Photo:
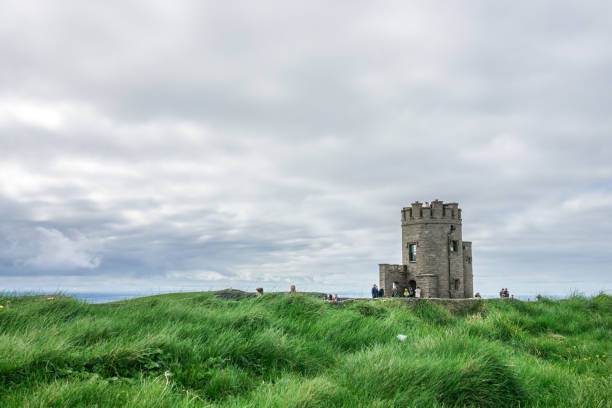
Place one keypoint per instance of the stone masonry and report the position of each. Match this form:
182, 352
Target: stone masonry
434, 256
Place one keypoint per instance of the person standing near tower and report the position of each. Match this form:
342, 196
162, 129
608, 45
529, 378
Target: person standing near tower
374, 291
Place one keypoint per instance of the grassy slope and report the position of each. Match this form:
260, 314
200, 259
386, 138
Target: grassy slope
297, 351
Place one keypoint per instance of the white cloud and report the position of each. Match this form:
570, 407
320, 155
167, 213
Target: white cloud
47, 116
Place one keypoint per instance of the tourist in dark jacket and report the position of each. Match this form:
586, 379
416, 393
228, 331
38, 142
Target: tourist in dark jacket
374, 291
381, 292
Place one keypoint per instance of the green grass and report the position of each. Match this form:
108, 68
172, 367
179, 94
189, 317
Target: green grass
199, 349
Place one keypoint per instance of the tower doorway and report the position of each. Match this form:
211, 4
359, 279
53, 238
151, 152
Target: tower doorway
412, 284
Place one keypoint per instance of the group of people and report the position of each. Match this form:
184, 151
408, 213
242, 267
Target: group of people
408, 292
292, 291
260, 291
376, 293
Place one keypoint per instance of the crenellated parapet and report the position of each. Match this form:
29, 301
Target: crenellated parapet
436, 210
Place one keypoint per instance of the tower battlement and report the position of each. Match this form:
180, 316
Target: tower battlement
437, 209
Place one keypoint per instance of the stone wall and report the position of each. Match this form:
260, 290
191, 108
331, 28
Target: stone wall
468, 276
429, 285
389, 274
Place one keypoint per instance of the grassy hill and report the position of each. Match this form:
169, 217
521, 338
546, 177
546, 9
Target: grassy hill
232, 350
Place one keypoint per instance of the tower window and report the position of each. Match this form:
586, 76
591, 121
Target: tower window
412, 252
454, 245
457, 284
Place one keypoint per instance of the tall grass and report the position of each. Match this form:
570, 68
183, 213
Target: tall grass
297, 351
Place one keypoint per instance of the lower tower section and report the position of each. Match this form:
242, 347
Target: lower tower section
429, 285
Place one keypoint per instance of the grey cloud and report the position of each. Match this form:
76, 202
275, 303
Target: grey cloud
258, 143
49, 249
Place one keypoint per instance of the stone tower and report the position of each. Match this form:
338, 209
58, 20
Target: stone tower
434, 256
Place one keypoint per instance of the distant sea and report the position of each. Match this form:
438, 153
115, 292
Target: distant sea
105, 297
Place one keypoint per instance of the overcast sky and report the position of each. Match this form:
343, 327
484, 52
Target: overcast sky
199, 145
